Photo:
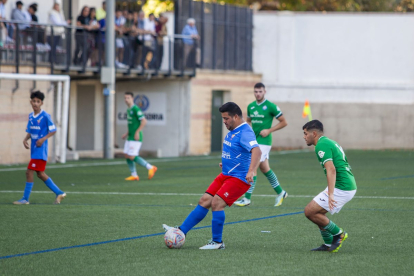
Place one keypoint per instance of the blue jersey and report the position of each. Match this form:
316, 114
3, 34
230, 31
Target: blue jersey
38, 127
236, 154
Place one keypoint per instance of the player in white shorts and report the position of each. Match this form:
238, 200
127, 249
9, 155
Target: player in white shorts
341, 186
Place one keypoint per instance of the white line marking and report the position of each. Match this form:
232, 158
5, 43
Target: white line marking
159, 160
185, 194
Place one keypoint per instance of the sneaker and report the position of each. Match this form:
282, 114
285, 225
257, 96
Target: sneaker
151, 172
242, 202
280, 198
323, 247
59, 198
131, 178
21, 202
213, 245
337, 241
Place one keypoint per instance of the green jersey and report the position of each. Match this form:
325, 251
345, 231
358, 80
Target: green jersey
262, 115
134, 115
329, 150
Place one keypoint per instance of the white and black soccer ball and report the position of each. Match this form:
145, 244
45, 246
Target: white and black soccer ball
174, 238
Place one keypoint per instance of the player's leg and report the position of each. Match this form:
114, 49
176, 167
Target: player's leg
60, 195
246, 200
27, 190
272, 178
204, 204
129, 157
231, 190
141, 161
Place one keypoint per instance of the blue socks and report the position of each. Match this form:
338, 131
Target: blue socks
49, 183
197, 215
27, 190
217, 225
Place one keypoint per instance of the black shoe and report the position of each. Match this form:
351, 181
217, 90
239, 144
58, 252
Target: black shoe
323, 247
337, 241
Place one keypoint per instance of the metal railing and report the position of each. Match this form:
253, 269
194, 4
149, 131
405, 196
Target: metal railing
69, 48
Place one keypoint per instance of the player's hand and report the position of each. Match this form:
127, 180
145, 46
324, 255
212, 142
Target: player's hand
40, 142
136, 136
332, 202
124, 136
221, 165
249, 176
25, 144
264, 133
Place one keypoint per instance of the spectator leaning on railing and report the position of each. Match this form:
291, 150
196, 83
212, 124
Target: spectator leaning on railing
189, 43
119, 43
18, 15
161, 30
81, 49
3, 27
56, 17
93, 34
148, 61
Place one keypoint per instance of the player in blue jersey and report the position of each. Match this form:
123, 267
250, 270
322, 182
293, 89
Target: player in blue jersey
239, 161
40, 127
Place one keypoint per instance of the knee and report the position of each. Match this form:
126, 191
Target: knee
308, 212
205, 202
41, 175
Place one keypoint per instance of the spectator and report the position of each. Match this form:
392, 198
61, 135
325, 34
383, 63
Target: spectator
18, 15
3, 27
148, 58
138, 45
119, 43
129, 39
94, 28
189, 43
56, 17
100, 40
136, 17
40, 38
101, 13
161, 30
81, 49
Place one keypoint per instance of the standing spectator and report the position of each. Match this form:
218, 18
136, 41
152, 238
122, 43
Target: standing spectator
138, 45
129, 39
161, 30
81, 49
94, 29
119, 43
101, 13
40, 38
56, 17
18, 15
189, 43
3, 27
100, 40
149, 42
136, 17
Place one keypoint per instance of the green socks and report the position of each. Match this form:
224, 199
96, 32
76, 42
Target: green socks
142, 162
327, 237
332, 228
271, 176
248, 194
131, 167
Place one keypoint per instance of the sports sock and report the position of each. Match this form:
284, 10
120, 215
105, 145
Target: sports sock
49, 183
197, 215
248, 194
131, 167
332, 228
327, 237
142, 162
271, 176
217, 225
27, 190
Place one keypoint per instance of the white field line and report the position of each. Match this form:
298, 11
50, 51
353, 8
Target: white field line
184, 194
161, 160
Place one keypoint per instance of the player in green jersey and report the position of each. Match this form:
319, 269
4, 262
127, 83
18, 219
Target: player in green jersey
260, 114
136, 122
341, 186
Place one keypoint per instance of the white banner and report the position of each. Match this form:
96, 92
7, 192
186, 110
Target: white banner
153, 105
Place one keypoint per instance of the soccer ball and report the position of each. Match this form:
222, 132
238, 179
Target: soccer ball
174, 238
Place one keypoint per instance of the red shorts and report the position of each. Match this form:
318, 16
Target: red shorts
228, 188
38, 165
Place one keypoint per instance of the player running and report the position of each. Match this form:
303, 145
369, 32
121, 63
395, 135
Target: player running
260, 114
136, 122
40, 127
240, 159
341, 186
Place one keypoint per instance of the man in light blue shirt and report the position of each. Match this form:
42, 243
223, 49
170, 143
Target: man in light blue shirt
190, 30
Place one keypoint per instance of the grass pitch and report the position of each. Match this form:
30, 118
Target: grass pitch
108, 226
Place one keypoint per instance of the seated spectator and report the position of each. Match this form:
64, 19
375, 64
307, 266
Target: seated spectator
81, 48
148, 59
161, 30
189, 44
119, 43
54, 34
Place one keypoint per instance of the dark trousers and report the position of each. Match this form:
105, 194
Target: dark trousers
53, 42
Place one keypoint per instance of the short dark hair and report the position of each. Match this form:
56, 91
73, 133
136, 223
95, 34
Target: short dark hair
19, 3
231, 108
37, 94
259, 85
130, 93
151, 14
314, 124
